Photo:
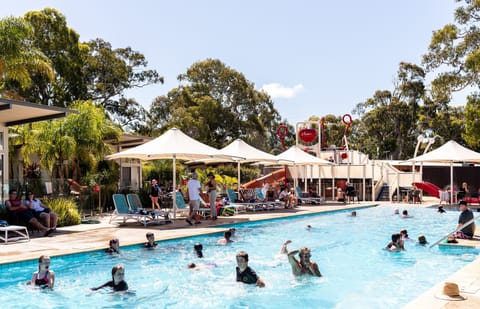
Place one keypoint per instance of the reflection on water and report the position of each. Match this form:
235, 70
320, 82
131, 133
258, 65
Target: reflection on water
348, 250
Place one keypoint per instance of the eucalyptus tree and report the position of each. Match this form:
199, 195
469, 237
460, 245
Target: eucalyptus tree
91, 70
19, 58
389, 120
216, 104
454, 57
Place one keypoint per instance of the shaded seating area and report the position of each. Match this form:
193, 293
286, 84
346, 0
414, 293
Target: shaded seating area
270, 204
235, 203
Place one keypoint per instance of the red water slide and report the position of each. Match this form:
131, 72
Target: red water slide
428, 187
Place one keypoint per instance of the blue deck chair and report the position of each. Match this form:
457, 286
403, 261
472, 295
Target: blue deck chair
270, 204
245, 205
123, 211
308, 200
136, 207
251, 199
232, 201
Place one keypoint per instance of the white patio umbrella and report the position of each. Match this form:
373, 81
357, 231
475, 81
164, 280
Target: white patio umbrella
297, 157
173, 144
449, 152
240, 152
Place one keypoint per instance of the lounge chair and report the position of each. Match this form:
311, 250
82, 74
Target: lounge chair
250, 200
205, 212
306, 199
123, 211
269, 204
233, 202
136, 207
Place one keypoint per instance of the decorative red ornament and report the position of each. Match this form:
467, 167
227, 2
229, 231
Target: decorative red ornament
344, 155
307, 135
96, 188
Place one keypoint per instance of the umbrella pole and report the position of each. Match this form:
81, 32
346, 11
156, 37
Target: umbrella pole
174, 196
238, 176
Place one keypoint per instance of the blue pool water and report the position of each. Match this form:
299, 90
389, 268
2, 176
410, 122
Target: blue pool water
357, 272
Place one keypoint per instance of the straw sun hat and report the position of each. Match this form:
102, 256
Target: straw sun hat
450, 292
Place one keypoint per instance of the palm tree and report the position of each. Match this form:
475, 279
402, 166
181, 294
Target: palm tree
19, 58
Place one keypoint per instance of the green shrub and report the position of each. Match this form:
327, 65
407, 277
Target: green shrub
66, 210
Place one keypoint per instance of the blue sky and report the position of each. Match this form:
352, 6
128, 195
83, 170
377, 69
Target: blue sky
312, 57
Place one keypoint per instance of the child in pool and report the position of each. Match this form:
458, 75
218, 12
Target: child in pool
244, 273
114, 246
151, 241
44, 277
117, 283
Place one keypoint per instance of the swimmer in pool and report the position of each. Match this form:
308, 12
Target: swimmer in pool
226, 238
151, 241
198, 248
244, 273
113, 246
44, 277
117, 283
303, 266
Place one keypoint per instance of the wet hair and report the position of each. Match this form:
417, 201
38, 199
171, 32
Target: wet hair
243, 255
422, 240
41, 258
227, 234
116, 268
304, 250
113, 241
462, 202
198, 249
404, 232
405, 212
396, 237
149, 234
191, 265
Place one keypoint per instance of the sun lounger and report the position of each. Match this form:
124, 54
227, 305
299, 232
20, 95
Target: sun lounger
21, 233
136, 207
270, 204
248, 200
205, 212
233, 202
308, 200
122, 211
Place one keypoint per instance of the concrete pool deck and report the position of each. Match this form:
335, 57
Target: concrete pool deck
89, 237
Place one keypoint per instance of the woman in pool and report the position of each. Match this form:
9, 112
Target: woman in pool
226, 238
198, 248
304, 266
44, 277
117, 283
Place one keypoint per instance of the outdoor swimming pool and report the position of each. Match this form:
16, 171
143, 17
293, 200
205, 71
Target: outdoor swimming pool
357, 273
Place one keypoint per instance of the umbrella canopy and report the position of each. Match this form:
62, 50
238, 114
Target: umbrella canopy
240, 152
449, 152
173, 144
296, 156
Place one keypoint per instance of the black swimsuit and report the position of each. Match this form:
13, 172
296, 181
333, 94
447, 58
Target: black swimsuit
42, 282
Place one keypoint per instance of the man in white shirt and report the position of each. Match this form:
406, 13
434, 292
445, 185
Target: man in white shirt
194, 189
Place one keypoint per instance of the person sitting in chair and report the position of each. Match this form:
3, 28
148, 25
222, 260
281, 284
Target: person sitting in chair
41, 211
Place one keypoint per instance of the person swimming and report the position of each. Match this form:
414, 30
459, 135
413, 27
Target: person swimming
198, 249
303, 266
118, 283
151, 241
44, 277
113, 246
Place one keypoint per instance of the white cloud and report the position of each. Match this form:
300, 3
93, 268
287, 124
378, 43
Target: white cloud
281, 92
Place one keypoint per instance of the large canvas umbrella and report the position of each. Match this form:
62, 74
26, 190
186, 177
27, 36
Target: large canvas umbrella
297, 157
449, 152
173, 144
240, 152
